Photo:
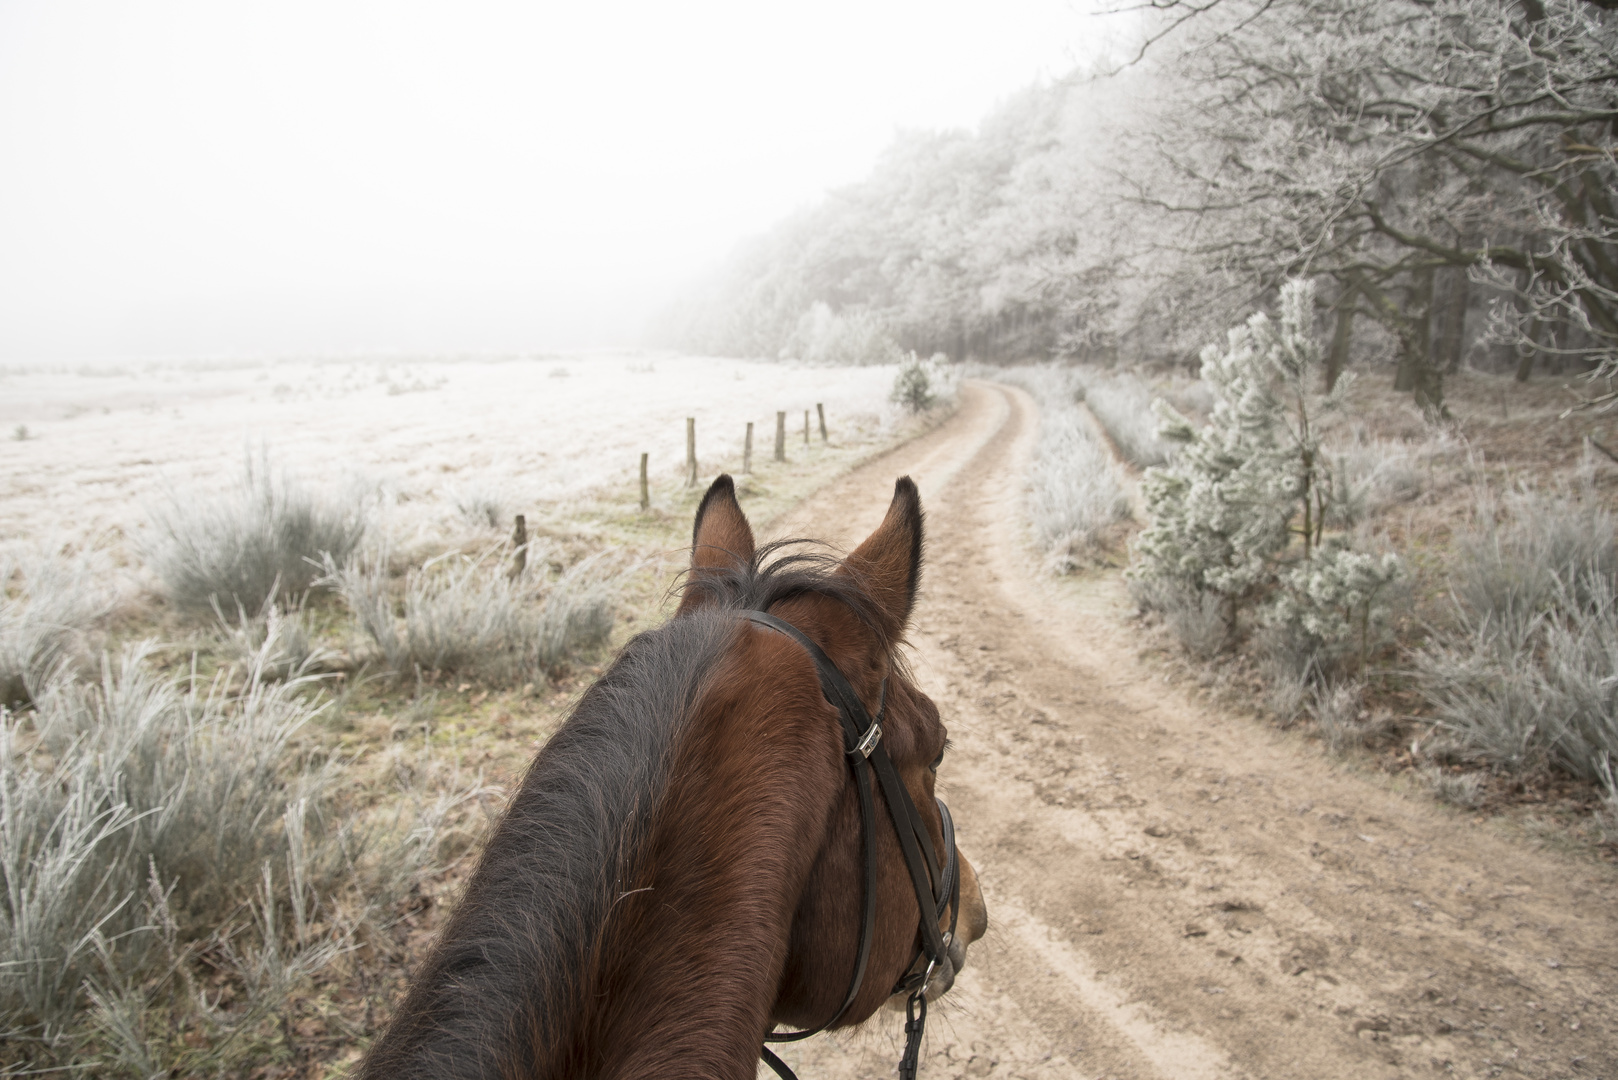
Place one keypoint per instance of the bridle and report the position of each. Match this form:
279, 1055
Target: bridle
936, 888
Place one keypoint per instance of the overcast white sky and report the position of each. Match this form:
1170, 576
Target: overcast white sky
241, 178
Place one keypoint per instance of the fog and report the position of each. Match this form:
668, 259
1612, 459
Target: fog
189, 179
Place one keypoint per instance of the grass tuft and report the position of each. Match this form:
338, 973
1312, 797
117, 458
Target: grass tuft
1528, 675
1075, 496
47, 604
266, 537
468, 616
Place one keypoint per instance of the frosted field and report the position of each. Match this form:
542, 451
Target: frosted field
102, 445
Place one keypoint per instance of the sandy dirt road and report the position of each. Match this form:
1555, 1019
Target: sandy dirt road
1178, 893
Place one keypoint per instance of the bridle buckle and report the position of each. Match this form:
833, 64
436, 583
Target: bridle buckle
868, 741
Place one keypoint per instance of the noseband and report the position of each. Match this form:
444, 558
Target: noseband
936, 889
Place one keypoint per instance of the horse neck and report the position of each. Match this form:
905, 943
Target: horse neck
693, 952
656, 946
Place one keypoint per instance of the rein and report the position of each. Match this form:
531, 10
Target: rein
936, 888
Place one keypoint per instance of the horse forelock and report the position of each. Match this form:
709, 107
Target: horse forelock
789, 569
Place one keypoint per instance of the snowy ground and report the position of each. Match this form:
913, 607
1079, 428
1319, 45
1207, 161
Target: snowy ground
83, 454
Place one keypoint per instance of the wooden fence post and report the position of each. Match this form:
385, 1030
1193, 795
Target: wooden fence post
821, 409
806, 428
780, 436
747, 449
690, 451
645, 492
519, 544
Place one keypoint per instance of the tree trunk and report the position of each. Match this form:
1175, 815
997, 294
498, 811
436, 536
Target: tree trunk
1415, 339
1529, 353
1451, 329
1337, 358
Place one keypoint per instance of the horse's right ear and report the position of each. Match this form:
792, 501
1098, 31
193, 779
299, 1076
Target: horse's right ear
888, 564
721, 539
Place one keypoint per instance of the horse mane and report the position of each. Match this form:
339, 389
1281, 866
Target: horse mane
511, 973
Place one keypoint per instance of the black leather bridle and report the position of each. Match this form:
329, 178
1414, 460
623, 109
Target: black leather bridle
937, 888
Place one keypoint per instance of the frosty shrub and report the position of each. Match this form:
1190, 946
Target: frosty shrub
1330, 603
147, 817
1369, 475
1529, 675
1526, 546
1074, 495
912, 386
266, 536
845, 338
1197, 619
47, 602
466, 615
1223, 514
244, 636
1336, 709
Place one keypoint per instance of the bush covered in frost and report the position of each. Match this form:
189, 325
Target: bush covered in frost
47, 603
1224, 514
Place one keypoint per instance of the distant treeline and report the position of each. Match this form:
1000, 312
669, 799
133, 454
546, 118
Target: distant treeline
1444, 170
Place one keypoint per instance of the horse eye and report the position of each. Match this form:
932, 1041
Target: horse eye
937, 761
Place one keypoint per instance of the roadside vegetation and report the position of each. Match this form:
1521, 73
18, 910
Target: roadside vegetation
1438, 598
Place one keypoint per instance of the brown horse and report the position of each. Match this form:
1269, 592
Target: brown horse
682, 869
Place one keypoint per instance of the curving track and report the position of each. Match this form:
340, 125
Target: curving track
1178, 893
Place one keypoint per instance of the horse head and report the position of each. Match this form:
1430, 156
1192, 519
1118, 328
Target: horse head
734, 829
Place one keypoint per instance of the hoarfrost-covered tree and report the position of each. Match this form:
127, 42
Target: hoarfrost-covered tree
1222, 515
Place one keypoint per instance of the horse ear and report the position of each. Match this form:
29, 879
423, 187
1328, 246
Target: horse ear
888, 564
721, 539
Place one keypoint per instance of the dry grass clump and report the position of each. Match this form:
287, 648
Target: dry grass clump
47, 604
1463, 790
266, 537
152, 821
468, 615
1527, 676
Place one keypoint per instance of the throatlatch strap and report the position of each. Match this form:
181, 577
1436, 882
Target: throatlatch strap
777, 1066
935, 888
852, 735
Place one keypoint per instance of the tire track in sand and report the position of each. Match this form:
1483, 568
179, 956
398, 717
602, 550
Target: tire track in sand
1174, 892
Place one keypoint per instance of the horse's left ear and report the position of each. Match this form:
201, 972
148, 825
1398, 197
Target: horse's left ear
888, 564
721, 539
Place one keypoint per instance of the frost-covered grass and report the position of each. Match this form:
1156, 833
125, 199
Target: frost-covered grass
1075, 494
265, 538
151, 820
48, 601
1528, 675
1122, 402
469, 615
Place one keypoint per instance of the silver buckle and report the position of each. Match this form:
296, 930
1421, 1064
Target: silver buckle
868, 741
